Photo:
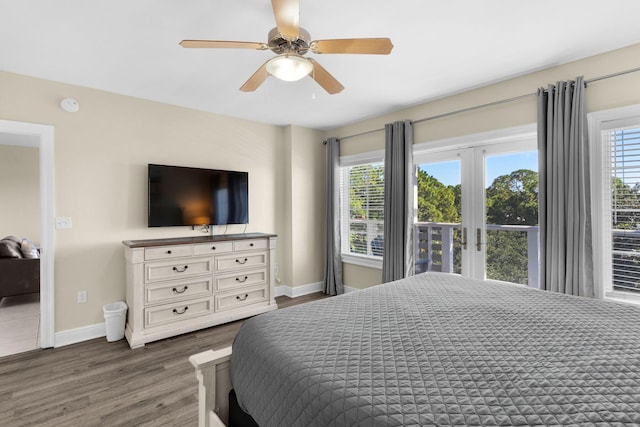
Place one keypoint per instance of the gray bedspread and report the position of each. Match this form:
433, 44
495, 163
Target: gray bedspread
438, 349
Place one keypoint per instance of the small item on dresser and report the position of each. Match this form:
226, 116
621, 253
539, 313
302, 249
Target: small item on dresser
28, 249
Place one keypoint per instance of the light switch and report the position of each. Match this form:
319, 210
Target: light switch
63, 222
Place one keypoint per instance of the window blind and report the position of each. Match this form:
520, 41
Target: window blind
362, 209
623, 173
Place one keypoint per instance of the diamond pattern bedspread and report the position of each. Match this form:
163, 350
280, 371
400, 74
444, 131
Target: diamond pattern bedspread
438, 349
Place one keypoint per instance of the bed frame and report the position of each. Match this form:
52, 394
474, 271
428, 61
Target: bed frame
213, 371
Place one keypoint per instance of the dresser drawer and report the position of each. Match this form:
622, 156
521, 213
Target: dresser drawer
241, 261
213, 248
171, 313
178, 269
235, 281
249, 245
167, 252
178, 290
228, 301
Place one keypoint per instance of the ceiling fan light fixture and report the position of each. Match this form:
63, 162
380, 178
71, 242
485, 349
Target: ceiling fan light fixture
289, 67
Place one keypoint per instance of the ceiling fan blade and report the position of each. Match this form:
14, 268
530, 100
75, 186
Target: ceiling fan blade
256, 79
376, 46
223, 44
287, 13
324, 79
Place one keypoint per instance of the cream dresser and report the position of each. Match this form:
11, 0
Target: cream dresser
180, 285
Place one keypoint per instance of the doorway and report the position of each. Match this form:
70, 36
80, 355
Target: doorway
477, 209
40, 137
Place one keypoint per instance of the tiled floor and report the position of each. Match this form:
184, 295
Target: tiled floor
19, 323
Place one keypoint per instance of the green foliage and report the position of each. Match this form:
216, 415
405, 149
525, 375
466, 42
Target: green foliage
366, 186
366, 203
436, 201
507, 256
628, 198
513, 199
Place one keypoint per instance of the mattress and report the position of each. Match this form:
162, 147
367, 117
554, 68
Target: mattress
439, 349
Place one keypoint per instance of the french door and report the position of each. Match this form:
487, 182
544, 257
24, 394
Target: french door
477, 211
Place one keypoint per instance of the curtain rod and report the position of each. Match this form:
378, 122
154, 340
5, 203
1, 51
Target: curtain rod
490, 104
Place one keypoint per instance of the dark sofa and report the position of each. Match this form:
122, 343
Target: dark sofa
18, 274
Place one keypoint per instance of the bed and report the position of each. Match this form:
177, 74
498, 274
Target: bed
434, 349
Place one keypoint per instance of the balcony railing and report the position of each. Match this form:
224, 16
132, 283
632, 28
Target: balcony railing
626, 260
438, 248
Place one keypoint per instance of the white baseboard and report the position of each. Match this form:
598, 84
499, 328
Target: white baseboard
85, 333
298, 291
72, 336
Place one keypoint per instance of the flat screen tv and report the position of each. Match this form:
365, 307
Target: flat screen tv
193, 196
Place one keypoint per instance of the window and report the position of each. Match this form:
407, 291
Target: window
362, 216
615, 182
622, 171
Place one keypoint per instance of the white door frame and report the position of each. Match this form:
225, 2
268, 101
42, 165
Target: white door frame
41, 136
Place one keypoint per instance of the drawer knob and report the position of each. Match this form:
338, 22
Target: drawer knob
251, 244
169, 252
242, 262
184, 288
177, 270
242, 280
242, 299
175, 310
213, 248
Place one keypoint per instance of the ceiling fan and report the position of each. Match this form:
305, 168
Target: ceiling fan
291, 42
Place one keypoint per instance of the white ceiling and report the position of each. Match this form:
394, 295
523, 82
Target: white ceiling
441, 47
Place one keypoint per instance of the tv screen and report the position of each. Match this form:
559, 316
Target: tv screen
193, 196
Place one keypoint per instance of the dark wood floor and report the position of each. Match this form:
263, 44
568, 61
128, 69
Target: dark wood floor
97, 383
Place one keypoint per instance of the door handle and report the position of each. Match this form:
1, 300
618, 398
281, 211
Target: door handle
464, 238
478, 239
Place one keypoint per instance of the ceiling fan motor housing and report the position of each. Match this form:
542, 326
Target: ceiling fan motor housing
280, 44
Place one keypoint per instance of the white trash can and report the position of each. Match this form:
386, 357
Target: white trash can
115, 317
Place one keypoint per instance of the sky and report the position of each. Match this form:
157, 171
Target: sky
449, 172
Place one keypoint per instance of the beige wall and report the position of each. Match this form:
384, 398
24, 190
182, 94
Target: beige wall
601, 95
302, 240
101, 153
307, 181
20, 192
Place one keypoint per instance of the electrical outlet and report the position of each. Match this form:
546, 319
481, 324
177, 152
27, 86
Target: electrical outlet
82, 297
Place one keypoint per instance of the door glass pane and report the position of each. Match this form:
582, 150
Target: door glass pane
512, 217
438, 246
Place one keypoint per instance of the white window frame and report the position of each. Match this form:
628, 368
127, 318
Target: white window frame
349, 258
601, 195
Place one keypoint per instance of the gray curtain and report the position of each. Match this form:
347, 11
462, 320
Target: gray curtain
398, 201
566, 254
333, 261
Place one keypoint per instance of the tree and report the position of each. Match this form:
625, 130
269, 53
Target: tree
436, 201
625, 205
366, 203
513, 199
